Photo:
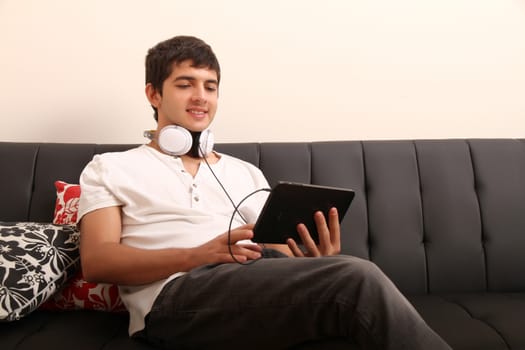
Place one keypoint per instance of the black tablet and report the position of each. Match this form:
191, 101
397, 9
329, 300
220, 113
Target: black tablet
292, 203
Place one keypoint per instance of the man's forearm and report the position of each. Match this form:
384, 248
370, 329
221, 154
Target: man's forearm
124, 265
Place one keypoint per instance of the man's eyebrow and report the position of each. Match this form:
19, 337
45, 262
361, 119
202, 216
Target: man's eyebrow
191, 78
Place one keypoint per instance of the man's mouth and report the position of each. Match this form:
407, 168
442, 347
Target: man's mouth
197, 112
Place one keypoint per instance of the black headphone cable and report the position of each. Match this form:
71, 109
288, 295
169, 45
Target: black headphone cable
235, 209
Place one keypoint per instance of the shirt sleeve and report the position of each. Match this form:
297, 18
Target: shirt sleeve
95, 188
255, 201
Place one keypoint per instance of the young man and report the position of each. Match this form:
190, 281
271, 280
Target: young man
153, 221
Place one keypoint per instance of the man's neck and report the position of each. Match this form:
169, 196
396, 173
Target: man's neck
191, 164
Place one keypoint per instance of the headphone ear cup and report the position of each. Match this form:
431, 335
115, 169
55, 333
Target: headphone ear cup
206, 142
175, 140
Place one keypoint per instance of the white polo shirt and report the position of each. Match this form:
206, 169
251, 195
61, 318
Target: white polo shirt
163, 206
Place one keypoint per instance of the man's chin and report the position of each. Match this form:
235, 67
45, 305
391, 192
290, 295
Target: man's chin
198, 127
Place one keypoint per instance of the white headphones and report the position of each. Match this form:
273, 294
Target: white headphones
177, 141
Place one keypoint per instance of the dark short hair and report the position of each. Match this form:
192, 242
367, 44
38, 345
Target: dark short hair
161, 57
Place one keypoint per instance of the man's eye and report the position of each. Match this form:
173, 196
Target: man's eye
183, 86
211, 88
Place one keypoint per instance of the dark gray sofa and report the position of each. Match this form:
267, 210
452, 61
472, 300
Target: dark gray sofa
444, 219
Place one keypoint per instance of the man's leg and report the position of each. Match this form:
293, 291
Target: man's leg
278, 303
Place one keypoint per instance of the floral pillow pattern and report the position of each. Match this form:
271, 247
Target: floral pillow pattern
36, 259
78, 293
66, 206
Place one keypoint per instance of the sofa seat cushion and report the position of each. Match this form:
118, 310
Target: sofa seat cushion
90, 330
476, 321
83, 329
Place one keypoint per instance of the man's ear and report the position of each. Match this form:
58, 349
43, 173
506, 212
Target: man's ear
154, 96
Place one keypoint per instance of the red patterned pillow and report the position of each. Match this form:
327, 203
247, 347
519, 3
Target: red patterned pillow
78, 293
66, 206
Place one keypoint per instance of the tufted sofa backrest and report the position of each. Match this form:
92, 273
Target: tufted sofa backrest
435, 215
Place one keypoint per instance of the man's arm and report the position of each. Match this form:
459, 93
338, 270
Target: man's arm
105, 259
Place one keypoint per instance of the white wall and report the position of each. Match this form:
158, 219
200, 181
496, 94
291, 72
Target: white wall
295, 70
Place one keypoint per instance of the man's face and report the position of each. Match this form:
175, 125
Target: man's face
189, 97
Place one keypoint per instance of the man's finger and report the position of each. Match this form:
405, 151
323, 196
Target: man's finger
324, 234
308, 242
335, 229
296, 251
238, 235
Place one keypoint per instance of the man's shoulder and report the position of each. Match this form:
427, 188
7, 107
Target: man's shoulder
121, 159
237, 161
132, 153
233, 165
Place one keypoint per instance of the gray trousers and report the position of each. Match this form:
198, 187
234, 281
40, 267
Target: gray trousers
276, 303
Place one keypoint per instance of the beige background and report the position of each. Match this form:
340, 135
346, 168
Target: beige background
296, 70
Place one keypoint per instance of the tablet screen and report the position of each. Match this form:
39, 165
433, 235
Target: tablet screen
292, 203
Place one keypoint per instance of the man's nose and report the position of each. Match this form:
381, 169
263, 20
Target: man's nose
199, 95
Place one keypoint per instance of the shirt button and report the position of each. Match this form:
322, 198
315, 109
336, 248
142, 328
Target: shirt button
196, 199
194, 185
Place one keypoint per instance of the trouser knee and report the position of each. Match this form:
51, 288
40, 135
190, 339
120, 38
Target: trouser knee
357, 273
360, 268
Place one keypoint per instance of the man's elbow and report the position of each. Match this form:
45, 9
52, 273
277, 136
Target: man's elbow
92, 271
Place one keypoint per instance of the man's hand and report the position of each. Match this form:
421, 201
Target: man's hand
329, 237
218, 250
